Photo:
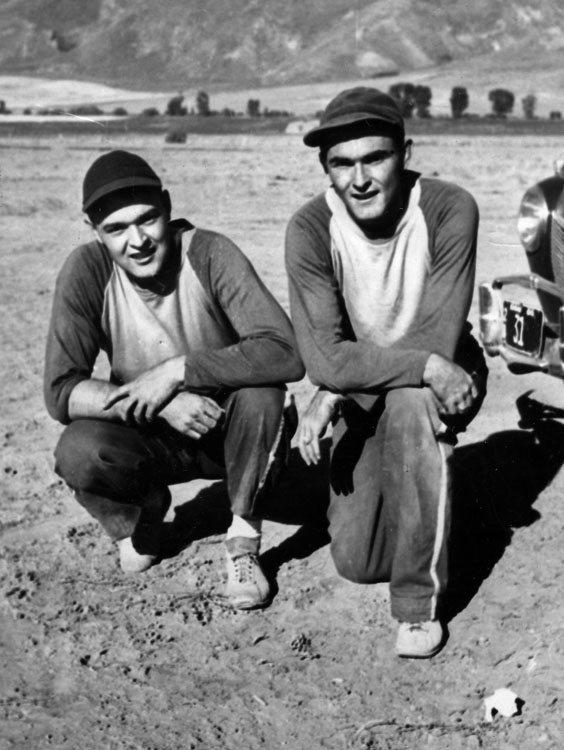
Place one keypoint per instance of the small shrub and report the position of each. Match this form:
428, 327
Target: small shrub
459, 101
529, 104
276, 113
502, 101
422, 96
556, 115
120, 112
175, 135
150, 112
174, 107
203, 104
404, 94
253, 108
86, 109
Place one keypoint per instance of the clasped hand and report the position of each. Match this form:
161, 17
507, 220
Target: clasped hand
454, 388
192, 415
148, 393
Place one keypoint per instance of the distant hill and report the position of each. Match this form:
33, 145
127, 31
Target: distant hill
168, 44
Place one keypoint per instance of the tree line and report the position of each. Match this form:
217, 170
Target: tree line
413, 100
416, 99
177, 108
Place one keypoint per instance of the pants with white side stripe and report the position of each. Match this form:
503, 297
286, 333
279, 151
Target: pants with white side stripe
389, 516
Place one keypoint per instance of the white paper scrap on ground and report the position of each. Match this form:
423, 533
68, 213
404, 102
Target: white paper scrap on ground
504, 702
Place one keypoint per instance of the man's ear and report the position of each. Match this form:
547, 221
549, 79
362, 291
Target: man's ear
92, 226
407, 151
167, 203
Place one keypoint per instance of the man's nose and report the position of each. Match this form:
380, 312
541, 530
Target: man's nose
360, 177
135, 236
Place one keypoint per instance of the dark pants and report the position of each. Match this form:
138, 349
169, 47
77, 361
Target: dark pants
121, 474
390, 509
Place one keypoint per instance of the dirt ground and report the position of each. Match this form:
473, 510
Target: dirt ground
93, 659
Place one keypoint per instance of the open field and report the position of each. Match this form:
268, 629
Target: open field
95, 660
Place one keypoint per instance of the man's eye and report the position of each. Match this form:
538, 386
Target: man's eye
379, 157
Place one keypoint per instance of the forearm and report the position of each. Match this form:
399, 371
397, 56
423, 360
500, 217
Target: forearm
253, 362
352, 366
88, 398
332, 356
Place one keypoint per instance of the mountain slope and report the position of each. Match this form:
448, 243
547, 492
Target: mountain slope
143, 44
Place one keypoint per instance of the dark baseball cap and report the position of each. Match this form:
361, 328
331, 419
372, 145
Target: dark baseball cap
359, 105
115, 171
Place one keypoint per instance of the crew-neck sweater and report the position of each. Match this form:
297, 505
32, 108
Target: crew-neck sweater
368, 312
217, 313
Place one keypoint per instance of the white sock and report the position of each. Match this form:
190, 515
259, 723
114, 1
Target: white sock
244, 527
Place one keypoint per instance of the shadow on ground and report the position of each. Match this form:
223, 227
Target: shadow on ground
496, 483
300, 499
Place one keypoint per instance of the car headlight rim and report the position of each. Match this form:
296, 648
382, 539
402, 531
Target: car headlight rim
532, 219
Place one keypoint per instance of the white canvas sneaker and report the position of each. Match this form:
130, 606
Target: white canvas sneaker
419, 640
130, 560
247, 587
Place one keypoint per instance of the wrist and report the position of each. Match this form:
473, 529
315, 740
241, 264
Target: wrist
431, 368
330, 397
176, 368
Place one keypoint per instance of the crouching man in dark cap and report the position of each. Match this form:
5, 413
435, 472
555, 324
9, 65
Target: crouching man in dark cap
199, 353
381, 271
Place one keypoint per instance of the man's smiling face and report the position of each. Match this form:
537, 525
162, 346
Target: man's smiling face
137, 236
366, 174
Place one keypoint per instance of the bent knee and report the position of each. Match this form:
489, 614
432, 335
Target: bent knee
93, 453
412, 408
408, 400
260, 402
77, 453
349, 564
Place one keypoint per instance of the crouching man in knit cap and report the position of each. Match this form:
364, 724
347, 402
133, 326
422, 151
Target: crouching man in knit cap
199, 353
381, 272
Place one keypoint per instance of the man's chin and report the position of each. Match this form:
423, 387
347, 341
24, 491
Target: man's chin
141, 272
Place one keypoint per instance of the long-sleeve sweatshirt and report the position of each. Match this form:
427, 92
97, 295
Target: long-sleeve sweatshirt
368, 313
217, 314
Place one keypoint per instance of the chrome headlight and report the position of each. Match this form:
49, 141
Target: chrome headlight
533, 214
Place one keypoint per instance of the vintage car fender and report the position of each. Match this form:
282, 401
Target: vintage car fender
526, 338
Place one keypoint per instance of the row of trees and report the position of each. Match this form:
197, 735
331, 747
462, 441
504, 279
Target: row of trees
412, 99
176, 108
415, 99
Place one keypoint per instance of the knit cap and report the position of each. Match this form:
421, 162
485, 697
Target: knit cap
114, 171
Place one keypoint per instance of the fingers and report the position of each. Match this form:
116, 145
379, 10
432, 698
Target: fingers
192, 433
308, 444
118, 395
211, 409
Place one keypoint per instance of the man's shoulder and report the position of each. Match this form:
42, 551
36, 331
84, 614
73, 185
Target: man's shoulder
308, 231
89, 260
437, 192
214, 257
210, 248
314, 212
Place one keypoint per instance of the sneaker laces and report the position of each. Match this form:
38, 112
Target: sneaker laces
244, 566
415, 626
